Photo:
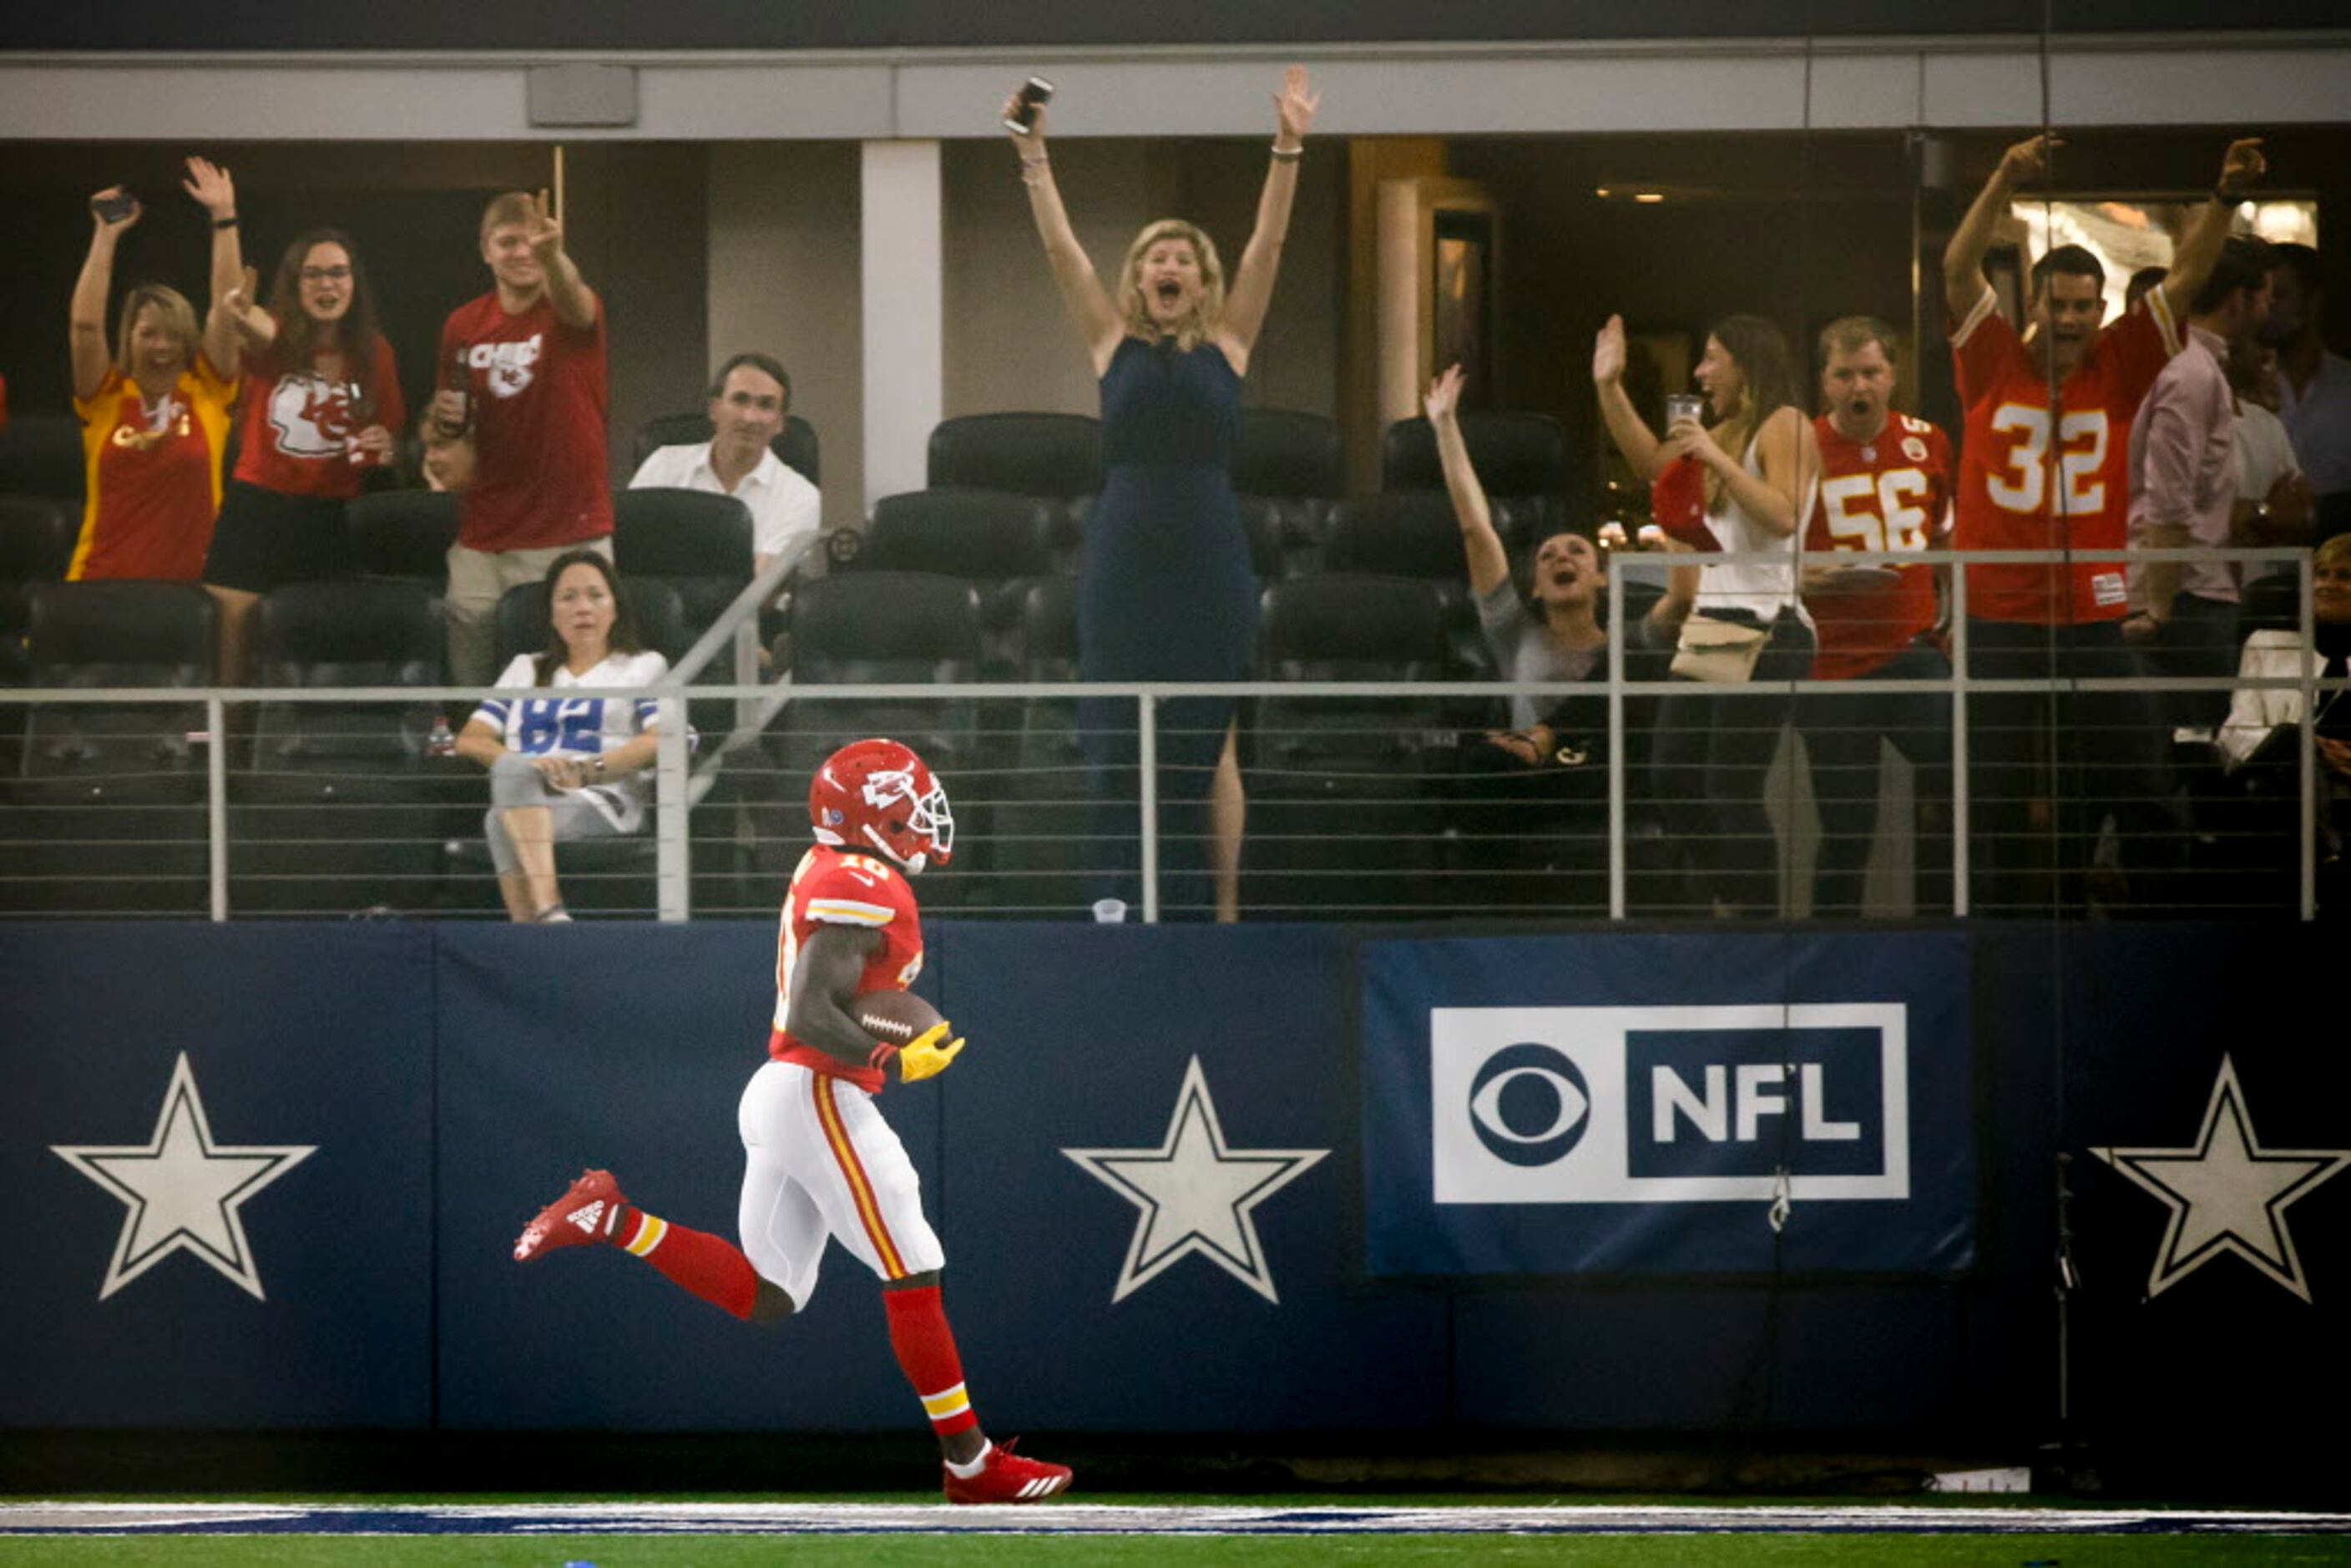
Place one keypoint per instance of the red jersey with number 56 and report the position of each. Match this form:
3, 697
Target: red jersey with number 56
835, 887
1890, 492
2017, 493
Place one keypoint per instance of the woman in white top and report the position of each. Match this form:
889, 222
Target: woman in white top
2259, 816
562, 765
1711, 753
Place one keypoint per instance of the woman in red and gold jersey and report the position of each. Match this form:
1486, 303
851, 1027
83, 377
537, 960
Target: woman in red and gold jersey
155, 407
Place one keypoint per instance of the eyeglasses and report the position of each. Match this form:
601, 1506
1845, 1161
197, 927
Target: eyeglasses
326, 275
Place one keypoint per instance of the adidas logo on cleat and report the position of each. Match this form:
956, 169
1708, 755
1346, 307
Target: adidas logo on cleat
591, 1209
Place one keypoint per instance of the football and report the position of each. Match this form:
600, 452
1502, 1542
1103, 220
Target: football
896, 1017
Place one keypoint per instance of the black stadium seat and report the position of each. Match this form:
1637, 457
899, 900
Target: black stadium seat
404, 533
1043, 840
696, 542
681, 533
37, 537
1287, 473
1341, 813
795, 444
41, 455
985, 536
997, 542
1411, 534
336, 806
1521, 461
106, 813
1279, 452
1057, 456
1514, 454
37, 541
1262, 520
893, 627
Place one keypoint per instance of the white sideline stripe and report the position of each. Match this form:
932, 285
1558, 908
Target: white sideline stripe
1096, 1519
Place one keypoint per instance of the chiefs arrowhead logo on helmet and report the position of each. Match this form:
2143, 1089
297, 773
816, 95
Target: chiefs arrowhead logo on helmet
878, 795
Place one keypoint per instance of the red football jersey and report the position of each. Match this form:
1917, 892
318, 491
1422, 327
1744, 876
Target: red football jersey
151, 477
2007, 471
1890, 494
835, 887
537, 395
298, 425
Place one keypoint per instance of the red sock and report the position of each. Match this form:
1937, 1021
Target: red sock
927, 1353
710, 1266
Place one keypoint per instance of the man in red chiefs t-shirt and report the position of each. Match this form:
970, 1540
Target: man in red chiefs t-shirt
522, 373
1886, 485
2044, 465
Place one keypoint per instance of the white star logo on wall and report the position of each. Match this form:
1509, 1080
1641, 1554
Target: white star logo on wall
2226, 1194
181, 1191
1194, 1194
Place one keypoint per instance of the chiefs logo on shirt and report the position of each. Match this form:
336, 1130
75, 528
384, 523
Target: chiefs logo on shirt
312, 415
508, 367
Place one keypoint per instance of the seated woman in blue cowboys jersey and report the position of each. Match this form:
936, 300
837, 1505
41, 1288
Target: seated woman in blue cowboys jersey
564, 765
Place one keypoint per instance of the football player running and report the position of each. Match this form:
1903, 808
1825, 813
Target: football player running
820, 1162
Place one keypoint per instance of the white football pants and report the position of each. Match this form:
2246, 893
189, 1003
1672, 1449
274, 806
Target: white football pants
819, 1162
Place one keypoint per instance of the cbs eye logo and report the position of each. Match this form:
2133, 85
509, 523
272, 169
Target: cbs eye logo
1529, 1105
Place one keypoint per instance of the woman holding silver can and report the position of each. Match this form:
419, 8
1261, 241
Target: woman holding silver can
1751, 453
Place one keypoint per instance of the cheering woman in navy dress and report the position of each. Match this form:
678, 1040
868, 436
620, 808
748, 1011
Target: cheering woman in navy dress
1166, 593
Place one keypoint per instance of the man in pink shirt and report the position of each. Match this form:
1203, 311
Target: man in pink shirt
2183, 488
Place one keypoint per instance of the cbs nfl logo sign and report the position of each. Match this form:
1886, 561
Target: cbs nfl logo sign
1669, 1104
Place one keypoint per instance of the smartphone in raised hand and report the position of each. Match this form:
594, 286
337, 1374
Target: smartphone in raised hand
114, 206
1035, 93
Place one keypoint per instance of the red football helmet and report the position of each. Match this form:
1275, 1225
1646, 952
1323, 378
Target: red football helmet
877, 794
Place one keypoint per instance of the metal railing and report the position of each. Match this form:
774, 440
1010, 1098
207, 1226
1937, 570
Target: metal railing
1394, 823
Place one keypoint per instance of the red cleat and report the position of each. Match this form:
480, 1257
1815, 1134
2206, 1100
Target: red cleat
1010, 1478
588, 1212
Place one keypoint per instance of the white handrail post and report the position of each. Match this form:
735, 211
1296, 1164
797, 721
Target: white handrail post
1147, 757
216, 800
2307, 754
672, 854
1962, 813
1617, 632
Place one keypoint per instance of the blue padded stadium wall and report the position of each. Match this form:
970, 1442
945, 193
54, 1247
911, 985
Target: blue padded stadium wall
1251, 1179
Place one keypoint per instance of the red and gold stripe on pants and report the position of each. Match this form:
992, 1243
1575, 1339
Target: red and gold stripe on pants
852, 1171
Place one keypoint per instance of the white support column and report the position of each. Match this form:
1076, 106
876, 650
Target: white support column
906, 339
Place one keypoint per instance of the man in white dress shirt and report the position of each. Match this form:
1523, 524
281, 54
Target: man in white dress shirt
2314, 385
749, 399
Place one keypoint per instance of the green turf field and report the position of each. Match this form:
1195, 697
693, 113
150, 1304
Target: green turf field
961, 1552
1714, 1534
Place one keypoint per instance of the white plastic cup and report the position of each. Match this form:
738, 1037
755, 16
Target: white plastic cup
1684, 405
1110, 911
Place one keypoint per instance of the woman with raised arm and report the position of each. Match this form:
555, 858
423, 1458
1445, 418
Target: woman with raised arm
1759, 463
154, 405
1166, 591
322, 401
1532, 814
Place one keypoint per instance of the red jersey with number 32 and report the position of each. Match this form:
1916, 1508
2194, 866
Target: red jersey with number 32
2015, 493
835, 887
1891, 493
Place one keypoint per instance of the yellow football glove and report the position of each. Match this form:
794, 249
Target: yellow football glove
925, 1057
